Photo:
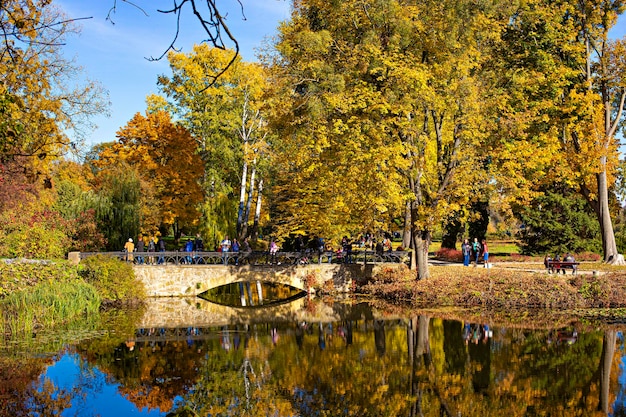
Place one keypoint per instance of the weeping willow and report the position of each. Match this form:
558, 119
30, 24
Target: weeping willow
116, 204
218, 218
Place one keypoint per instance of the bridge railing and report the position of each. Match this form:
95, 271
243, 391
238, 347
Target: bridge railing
254, 257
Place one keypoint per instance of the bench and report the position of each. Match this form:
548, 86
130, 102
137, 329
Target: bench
562, 266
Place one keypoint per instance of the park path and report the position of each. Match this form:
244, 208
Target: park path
533, 267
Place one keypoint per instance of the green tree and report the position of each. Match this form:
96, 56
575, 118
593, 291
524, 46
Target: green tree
224, 118
116, 201
559, 221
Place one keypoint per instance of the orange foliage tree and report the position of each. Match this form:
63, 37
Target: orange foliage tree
164, 155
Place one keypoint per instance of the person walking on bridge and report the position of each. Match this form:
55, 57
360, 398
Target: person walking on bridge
129, 247
225, 245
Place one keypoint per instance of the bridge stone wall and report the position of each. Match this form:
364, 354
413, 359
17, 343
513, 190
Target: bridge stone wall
191, 280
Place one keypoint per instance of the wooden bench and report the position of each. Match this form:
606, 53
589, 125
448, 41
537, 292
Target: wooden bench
562, 266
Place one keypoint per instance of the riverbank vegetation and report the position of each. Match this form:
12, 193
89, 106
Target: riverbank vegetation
500, 289
114, 280
40, 295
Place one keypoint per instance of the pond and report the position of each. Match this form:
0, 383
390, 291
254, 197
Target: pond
312, 357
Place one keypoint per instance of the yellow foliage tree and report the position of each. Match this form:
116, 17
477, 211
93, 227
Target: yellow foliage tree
224, 117
378, 105
565, 101
39, 106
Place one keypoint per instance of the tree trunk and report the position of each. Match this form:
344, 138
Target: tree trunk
406, 234
257, 214
421, 241
242, 197
611, 255
246, 214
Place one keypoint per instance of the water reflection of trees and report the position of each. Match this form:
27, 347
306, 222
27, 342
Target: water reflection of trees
419, 366
513, 372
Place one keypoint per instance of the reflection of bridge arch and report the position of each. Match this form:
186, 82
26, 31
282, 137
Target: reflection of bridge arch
174, 312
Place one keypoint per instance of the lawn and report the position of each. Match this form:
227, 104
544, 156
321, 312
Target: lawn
496, 247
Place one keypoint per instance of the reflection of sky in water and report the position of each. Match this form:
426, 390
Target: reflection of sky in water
96, 396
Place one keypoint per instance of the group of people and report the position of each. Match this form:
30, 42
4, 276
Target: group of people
144, 244
555, 265
475, 251
233, 247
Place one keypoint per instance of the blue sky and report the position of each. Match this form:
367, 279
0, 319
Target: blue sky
114, 54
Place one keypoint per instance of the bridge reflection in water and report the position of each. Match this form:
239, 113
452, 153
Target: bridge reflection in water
181, 312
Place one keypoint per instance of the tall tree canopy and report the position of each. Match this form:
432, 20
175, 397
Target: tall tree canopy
379, 104
565, 98
225, 120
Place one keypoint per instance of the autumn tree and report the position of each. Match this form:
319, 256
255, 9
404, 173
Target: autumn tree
594, 136
565, 100
164, 155
40, 107
224, 117
39, 101
381, 105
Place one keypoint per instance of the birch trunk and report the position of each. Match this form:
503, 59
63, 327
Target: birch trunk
257, 214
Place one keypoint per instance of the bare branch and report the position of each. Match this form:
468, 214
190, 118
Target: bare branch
213, 24
113, 9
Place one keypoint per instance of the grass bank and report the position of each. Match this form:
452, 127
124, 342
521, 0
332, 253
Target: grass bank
501, 289
37, 296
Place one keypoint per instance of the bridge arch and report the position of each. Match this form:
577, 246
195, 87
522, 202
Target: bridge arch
192, 280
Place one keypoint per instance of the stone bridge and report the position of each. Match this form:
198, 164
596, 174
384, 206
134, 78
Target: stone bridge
192, 280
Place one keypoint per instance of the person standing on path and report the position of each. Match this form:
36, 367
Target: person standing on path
485, 253
467, 251
476, 250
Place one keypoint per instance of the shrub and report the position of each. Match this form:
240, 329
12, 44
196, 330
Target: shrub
389, 274
35, 242
588, 256
450, 255
114, 280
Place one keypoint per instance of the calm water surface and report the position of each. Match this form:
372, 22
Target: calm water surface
314, 358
